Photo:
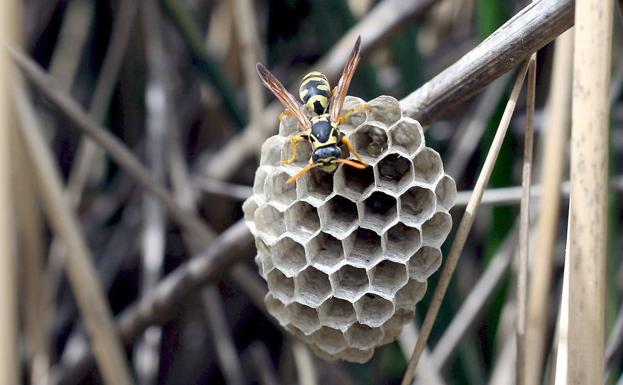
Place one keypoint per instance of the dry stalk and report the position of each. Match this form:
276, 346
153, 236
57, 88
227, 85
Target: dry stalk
463, 229
524, 224
91, 300
10, 14
556, 135
589, 191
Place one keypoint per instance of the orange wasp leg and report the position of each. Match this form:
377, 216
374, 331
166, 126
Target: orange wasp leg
342, 119
351, 149
293, 142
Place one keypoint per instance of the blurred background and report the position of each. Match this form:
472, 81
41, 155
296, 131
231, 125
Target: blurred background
174, 81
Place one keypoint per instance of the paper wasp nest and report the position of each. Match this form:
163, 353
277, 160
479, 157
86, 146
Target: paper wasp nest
347, 255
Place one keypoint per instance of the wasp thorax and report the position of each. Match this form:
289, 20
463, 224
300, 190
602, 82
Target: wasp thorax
346, 255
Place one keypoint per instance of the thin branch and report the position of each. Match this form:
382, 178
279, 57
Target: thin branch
529, 30
553, 159
83, 278
524, 224
463, 230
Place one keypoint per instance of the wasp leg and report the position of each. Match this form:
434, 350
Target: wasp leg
304, 171
351, 149
293, 142
342, 119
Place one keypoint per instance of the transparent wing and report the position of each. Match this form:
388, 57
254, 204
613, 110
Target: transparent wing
347, 75
284, 96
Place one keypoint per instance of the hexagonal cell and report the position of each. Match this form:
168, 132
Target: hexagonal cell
410, 294
363, 336
427, 166
406, 136
337, 313
416, 205
303, 317
395, 173
360, 356
302, 220
303, 153
424, 263
446, 192
315, 186
312, 287
330, 340
352, 182
385, 109
401, 241
356, 118
296, 332
388, 277
325, 251
264, 258
393, 327
249, 207
379, 211
288, 126
276, 308
349, 282
289, 256
373, 310
280, 286
436, 229
370, 141
269, 222
338, 216
260, 178
271, 151
279, 191
363, 247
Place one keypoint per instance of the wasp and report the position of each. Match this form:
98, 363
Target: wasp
322, 129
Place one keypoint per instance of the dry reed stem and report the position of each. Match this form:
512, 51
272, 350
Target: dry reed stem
464, 228
524, 224
560, 351
589, 196
226, 354
32, 246
91, 300
153, 241
553, 155
427, 372
304, 363
73, 34
10, 15
247, 32
193, 226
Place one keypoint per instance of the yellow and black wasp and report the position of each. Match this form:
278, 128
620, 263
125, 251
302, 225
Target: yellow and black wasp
322, 130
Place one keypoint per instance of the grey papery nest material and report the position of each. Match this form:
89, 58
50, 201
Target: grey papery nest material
346, 255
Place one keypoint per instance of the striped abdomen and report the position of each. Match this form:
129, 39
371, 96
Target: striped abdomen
314, 92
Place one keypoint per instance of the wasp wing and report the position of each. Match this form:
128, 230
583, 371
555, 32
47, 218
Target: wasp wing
286, 98
339, 93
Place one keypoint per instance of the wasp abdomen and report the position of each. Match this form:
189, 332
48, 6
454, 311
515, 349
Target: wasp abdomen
314, 92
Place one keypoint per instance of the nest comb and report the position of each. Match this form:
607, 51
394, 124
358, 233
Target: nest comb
347, 255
